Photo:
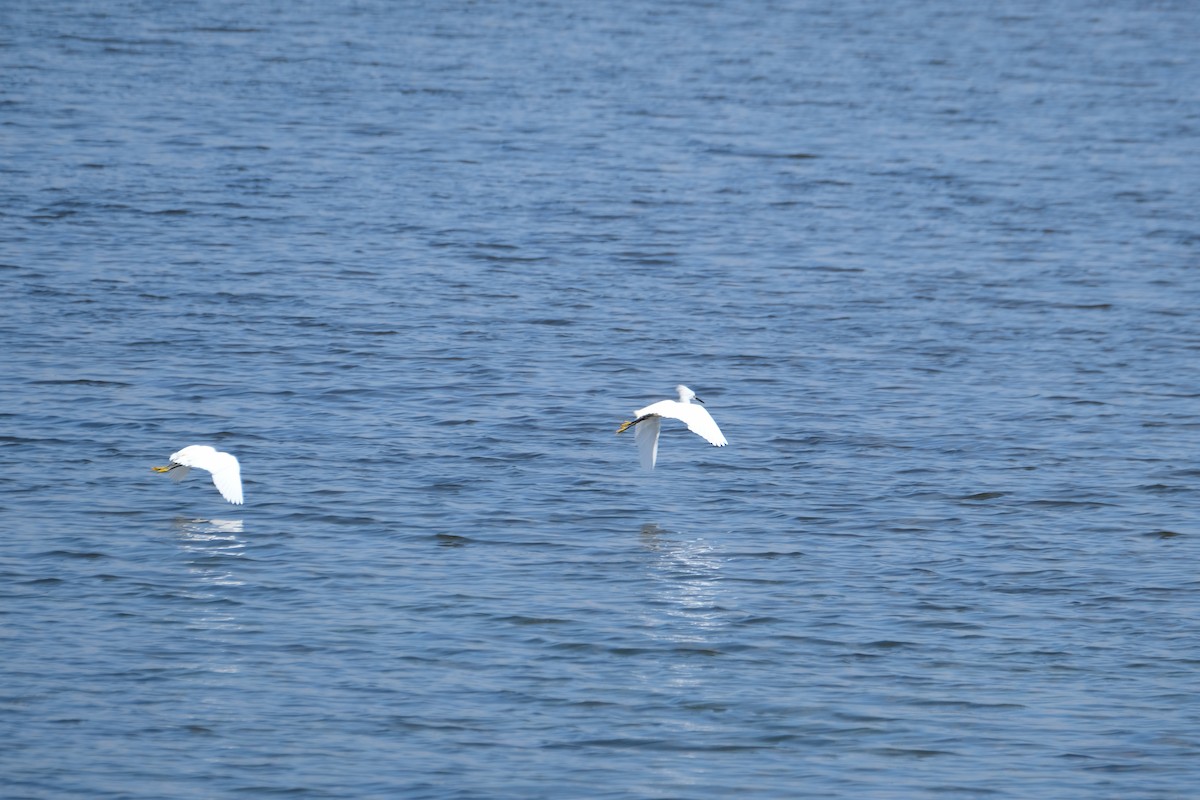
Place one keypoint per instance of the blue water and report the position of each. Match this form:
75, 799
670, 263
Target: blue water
933, 267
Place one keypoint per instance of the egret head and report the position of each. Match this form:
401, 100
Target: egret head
686, 395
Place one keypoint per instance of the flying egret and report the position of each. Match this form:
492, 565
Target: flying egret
226, 472
649, 419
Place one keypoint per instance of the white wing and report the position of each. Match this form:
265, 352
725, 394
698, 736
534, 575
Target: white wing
646, 436
179, 473
228, 479
698, 420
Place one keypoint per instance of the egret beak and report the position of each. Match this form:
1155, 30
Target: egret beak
698, 400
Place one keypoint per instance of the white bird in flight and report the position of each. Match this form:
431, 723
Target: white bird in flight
649, 419
226, 472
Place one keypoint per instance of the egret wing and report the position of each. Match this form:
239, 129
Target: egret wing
700, 422
179, 473
227, 477
646, 436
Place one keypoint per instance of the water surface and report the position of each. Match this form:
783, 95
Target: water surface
931, 266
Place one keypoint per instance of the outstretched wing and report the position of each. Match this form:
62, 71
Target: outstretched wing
227, 477
700, 422
646, 436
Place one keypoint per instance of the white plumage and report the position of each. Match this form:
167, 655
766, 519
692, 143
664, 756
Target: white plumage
649, 421
226, 472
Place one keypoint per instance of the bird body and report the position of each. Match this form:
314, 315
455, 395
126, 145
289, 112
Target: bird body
225, 469
649, 421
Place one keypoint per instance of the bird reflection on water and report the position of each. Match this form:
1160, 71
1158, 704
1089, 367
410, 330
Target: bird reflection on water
212, 549
688, 575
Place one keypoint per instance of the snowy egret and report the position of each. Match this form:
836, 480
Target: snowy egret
648, 420
226, 472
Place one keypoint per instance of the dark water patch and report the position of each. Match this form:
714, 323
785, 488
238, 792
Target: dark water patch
74, 554
80, 382
533, 621
765, 554
910, 752
1162, 534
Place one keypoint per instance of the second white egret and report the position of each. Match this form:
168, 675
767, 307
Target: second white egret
226, 472
649, 419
